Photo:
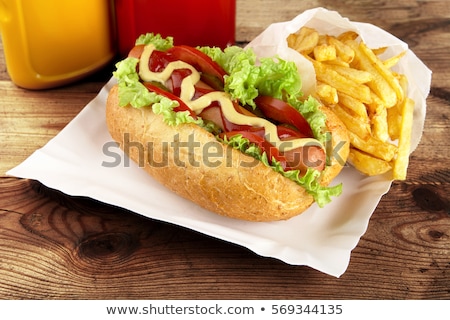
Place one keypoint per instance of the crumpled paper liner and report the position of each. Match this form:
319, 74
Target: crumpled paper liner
272, 42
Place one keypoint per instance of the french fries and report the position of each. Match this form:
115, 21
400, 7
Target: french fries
367, 164
404, 140
304, 40
369, 98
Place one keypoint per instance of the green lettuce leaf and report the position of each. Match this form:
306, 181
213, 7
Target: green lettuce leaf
249, 77
131, 91
159, 42
279, 78
243, 74
164, 106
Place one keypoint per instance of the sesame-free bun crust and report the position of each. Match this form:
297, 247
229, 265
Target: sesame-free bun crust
192, 163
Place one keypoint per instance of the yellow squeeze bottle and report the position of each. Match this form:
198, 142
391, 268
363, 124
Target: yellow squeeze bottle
49, 43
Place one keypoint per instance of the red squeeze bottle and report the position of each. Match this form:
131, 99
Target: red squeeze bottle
189, 22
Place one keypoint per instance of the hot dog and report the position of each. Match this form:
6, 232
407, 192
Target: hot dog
225, 130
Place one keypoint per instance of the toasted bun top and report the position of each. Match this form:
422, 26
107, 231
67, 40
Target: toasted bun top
191, 162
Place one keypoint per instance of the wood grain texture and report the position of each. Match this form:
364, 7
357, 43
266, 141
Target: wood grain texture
65, 247
53, 246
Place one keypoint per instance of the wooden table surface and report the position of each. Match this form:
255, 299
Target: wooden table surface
53, 246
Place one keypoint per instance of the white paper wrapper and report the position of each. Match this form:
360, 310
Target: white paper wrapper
272, 42
80, 161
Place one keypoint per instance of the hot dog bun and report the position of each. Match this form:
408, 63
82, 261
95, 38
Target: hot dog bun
216, 177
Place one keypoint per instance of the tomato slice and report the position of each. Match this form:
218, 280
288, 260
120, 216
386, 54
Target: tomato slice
271, 151
159, 60
181, 107
212, 73
283, 112
286, 133
136, 51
